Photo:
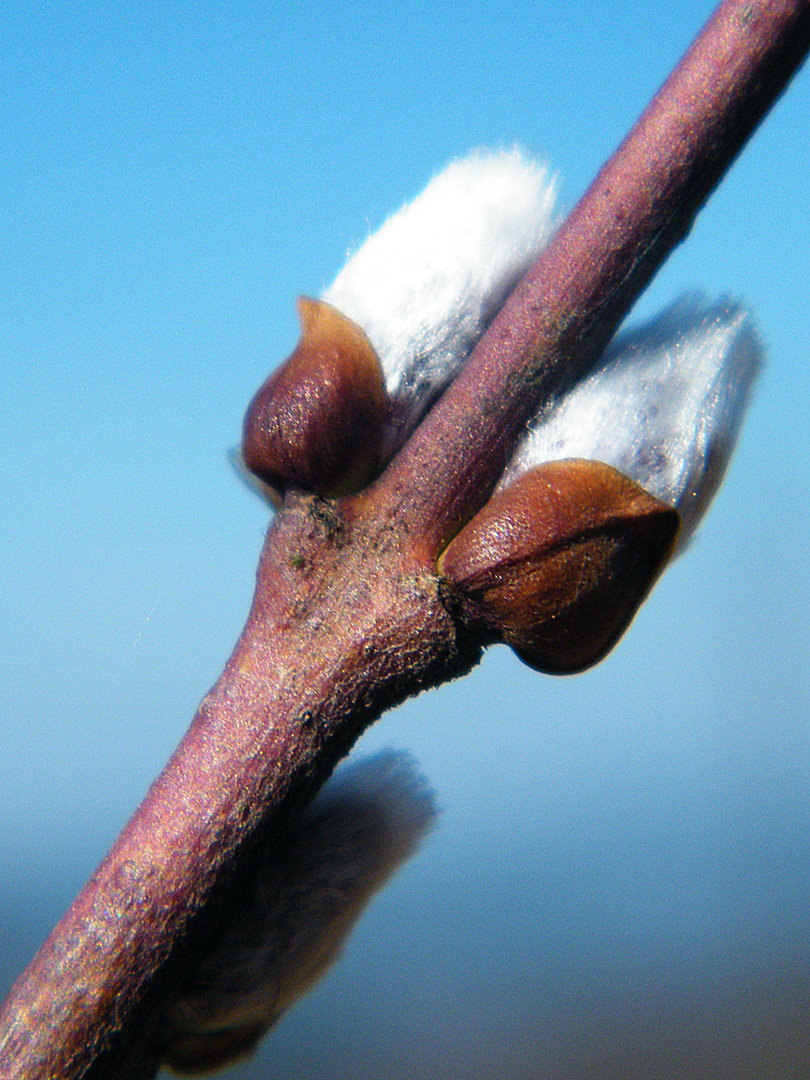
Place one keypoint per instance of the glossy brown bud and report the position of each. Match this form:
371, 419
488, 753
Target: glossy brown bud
316, 422
557, 564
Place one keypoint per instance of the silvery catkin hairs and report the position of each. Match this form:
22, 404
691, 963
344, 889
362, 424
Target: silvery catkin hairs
664, 405
426, 285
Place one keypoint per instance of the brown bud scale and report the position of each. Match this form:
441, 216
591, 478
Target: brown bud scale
557, 564
316, 422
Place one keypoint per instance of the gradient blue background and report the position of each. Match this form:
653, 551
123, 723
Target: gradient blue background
619, 882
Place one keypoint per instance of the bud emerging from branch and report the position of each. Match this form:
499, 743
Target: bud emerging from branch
316, 422
558, 561
423, 288
289, 923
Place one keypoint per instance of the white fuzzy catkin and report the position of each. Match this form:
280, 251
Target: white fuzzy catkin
663, 405
425, 286
290, 921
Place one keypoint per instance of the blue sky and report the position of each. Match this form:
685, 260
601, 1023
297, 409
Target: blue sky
623, 844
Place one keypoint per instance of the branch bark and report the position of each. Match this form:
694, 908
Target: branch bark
348, 616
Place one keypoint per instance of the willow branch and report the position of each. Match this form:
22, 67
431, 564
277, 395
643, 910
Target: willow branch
348, 618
